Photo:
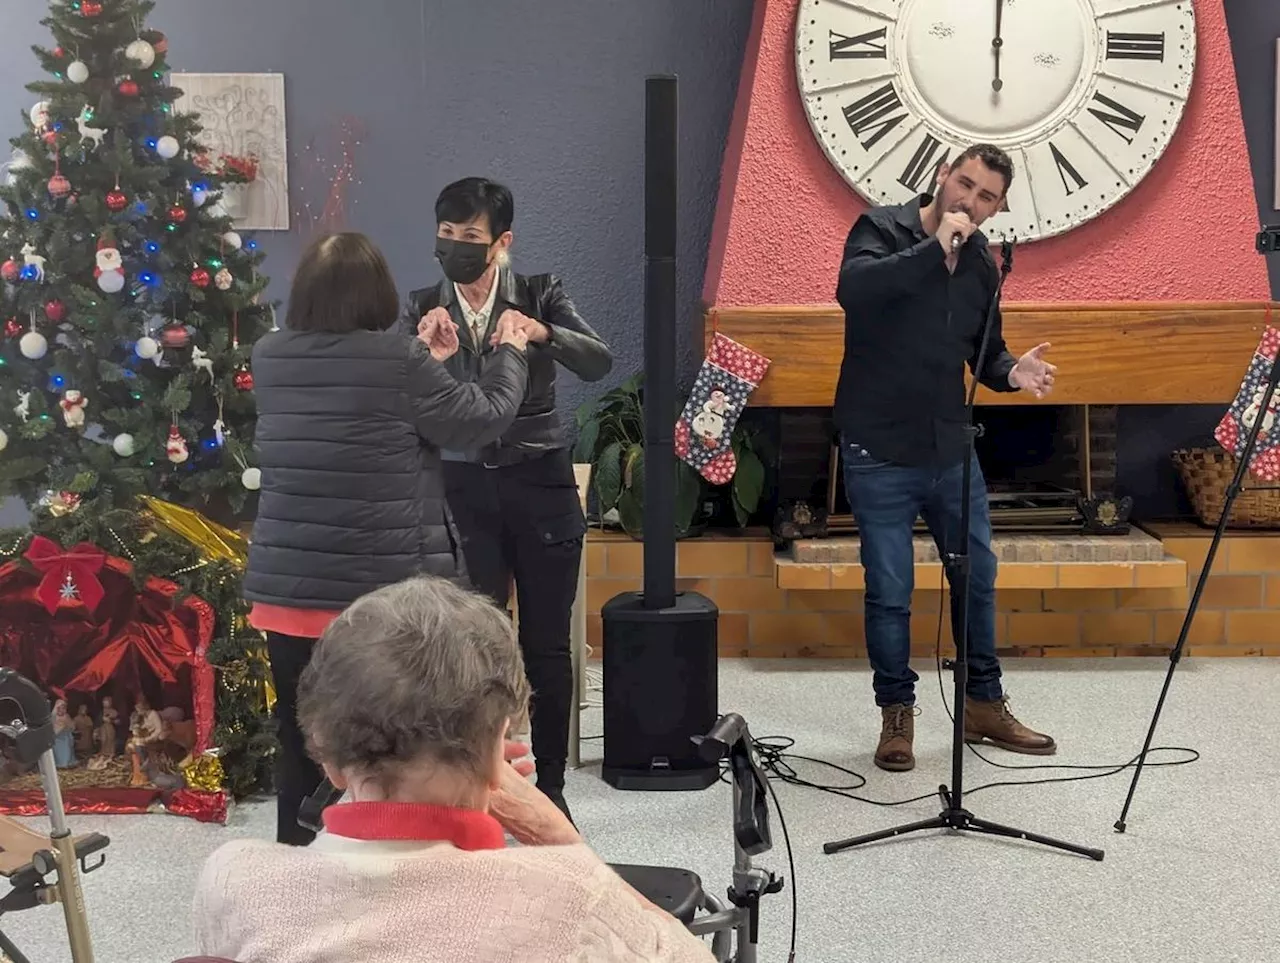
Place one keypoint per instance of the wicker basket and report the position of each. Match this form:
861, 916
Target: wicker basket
1207, 473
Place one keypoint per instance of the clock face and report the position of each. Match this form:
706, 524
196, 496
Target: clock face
1084, 95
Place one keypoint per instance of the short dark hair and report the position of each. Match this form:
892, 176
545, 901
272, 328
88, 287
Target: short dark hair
342, 284
992, 157
467, 199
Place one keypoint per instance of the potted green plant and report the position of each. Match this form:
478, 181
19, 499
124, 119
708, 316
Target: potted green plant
611, 439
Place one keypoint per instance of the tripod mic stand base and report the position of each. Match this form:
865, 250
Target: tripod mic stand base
958, 818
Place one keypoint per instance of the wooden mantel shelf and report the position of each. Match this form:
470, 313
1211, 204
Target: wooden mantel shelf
1119, 353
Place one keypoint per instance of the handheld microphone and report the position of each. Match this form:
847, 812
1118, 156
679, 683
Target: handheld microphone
956, 240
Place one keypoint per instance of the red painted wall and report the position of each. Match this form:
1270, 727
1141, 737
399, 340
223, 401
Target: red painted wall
1184, 234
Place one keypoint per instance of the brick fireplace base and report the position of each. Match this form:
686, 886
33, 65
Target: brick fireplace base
1072, 615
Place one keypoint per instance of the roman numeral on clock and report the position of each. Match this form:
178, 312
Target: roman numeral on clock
1135, 46
1123, 119
861, 47
924, 164
878, 113
1065, 170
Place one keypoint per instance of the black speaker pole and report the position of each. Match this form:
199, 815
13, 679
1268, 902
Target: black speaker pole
660, 647
660, 156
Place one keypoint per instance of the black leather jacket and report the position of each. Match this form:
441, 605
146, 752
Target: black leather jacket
573, 344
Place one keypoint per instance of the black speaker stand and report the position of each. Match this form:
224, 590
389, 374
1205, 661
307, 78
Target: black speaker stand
954, 816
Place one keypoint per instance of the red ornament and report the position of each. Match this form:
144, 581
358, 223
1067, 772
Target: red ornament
55, 310
157, 40
175, 336
128, 88
10, 270
12, 328
91, 8
69, 576
59, 52
59, 186
50, 138
117, 201
177, 213
200, 277
243, 379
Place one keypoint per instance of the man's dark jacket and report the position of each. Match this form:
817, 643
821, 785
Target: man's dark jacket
910, 328
573, 344
348, 438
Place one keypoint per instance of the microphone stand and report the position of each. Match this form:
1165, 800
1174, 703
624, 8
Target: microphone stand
954, 816
1233, 490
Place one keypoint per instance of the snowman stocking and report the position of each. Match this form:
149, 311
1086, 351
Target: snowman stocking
704, 432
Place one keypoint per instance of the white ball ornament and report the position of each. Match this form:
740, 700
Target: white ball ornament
4, 440
233, 240
33, 345
199, 196
167, 147
251, 479
123, 445
111, 282
146, 347
141, 53
77, 72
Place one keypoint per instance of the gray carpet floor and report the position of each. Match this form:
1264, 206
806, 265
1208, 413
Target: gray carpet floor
1194, 878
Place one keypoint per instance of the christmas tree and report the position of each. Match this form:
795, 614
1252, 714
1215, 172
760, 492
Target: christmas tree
130, 306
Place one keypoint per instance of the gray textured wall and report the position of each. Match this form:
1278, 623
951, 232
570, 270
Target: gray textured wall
548, 97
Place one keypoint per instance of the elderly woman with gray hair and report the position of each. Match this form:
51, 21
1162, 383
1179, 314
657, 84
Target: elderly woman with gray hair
407, 704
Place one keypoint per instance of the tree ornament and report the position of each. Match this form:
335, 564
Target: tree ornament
201, 362
22, 410
200, 277
167, 147
175, 336
4, 440
251, 479
33, 345
77, 72
233, 240
39, 115
59, 186
243, 379
72, 404
32, 264
177, 214
59, 52
146, 347
55, 311
110, 266
50, 137
117, 200
223, 280
199, 195
141, 53
176, 446
89, 135
159, 42
123, 445
128, 88
91, 8
12, 328
10, 270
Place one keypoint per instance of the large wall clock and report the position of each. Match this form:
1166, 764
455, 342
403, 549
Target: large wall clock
1085, 95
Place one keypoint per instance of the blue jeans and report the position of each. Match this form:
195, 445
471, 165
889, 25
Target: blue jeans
886, 499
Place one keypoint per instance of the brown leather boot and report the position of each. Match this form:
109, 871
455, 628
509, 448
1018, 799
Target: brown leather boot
993, 723
897, 732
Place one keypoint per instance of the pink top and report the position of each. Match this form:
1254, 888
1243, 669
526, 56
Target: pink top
405, 883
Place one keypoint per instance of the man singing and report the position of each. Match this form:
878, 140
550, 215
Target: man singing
915, 285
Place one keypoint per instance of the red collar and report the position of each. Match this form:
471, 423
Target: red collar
467, 829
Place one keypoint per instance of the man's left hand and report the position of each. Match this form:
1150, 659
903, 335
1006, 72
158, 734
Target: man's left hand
1032, 373
535, 331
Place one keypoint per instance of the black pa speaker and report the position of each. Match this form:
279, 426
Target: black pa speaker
661, 689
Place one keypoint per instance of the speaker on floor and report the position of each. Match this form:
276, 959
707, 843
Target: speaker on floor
660, 682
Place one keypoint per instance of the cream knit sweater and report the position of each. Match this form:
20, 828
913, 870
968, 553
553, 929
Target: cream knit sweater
343, 900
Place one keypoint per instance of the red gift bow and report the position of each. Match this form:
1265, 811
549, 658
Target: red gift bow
82, 563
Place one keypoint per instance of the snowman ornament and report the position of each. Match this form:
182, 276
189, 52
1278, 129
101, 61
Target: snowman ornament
110, 266
72, 404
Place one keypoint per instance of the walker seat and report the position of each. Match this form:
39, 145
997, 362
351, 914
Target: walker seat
26, 858
678, 891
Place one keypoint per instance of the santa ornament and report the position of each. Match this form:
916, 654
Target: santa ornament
110, 267
72, 404
704, 433
176, 447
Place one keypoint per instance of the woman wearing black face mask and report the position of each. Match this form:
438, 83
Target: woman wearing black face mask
515, 501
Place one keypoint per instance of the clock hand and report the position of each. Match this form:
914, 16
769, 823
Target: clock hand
997, 44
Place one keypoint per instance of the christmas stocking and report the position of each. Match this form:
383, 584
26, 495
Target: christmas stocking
705, 430
1233, 431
